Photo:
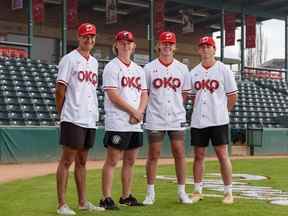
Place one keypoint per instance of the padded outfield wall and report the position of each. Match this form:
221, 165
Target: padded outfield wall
40, 144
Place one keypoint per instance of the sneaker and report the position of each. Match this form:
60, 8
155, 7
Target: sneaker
149, 200
65, 210
196, 196
108, 203
184, 198
129, 201
88, 206
228, 199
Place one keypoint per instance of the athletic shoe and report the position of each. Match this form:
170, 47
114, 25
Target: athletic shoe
196, 196
228, 199
149, 199
184, 198
129, 201
65, 210
108, 203
88, 206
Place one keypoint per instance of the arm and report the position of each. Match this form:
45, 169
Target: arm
60, 96
119, 102
143, 101
232, 99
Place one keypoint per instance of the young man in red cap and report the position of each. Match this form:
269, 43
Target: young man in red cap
166, 82
214, 94
77, 105
125, 101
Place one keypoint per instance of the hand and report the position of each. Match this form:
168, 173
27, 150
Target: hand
136, 117
133, 120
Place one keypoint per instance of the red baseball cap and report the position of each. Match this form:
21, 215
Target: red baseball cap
124, 35
169, 37
86, 29
207, 40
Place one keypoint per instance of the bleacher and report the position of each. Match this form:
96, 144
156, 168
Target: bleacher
28, 87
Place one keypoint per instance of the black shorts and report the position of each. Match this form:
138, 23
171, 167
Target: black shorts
123, 140
217, 134
158, 135
76, 137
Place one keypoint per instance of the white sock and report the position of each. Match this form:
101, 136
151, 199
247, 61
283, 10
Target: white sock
181, 188
228, 189
151, 190
198, 187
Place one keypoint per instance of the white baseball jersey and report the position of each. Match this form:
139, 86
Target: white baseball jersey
165, 110
129, 81
79, 75
210, 87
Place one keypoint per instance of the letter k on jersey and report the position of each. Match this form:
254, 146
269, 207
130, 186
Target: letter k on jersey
210, 85
87, 76
165, 82
131, 82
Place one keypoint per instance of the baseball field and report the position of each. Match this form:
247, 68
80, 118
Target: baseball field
257, 183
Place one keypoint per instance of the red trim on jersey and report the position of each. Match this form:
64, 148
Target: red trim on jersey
87, 58
127, 65
62, 82
232, 93
166, 65
209, 66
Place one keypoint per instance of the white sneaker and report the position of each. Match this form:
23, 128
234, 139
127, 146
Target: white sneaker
149, 199
184, 198
88, 206
65, 210
196, 197
228, 199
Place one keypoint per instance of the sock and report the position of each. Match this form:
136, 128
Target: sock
181, 188
228, 189
151, 190
198, 187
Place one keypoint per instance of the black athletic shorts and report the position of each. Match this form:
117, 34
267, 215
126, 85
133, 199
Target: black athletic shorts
123, 140
76, 137
158, 135
217, 134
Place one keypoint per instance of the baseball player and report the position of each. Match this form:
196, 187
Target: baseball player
76, 103
166, 82
125, 101
214, 94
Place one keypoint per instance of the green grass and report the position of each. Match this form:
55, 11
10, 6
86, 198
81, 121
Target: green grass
37, 196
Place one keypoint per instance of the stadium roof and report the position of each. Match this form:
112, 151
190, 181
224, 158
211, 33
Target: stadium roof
202, 12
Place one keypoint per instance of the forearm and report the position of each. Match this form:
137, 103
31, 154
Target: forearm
119, 102
143, 102
232, 99
59, 97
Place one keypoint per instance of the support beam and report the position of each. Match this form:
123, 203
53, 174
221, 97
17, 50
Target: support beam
151, 30
30, 29
222, 45
286, 48
242, 40
64, 28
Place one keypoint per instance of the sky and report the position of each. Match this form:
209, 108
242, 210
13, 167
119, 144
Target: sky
274, 34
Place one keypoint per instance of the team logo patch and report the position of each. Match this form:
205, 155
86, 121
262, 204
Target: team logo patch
116, 139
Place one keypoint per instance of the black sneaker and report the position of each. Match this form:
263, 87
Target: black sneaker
108, 204
129, 201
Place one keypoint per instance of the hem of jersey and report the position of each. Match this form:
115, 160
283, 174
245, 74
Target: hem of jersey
77, 124
117, 130
213, 125
62, 82
165, 129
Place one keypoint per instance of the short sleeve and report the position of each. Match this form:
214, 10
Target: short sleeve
65, 69
143, 80
110, 77
230, 85
147, 76
186, 88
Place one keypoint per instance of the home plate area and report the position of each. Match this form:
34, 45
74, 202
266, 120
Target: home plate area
245, 190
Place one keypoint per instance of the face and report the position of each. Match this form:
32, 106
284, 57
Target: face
125, 47
206, 51
86, 42
167, 49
